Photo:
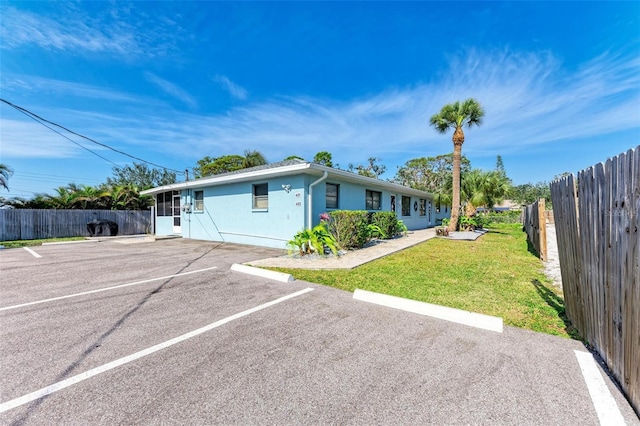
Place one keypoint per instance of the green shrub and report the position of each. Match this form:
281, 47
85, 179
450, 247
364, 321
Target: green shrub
349, 228
511, 216
388, 223
314, 240
470, 223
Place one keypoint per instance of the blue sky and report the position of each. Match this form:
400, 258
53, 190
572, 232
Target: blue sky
174, 82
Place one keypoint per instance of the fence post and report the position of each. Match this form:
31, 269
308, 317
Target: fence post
542, 229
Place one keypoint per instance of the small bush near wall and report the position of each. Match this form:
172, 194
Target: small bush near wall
511, 216
349, 227
352, 229
388, 223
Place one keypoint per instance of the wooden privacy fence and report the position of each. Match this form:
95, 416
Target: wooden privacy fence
599, 253
31, 224
534, 221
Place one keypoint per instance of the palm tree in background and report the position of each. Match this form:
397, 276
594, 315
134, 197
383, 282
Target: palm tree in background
253, 158
456, 116
5, 173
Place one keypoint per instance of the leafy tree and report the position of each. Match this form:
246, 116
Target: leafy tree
431, 174
39, 201
371, 170
293, 157
224, 164
200, 164
209, 166
324, 158
5, 173
530, 192
456, 116
500, 165
141, 176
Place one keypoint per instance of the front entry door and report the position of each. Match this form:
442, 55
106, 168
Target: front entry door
176, 213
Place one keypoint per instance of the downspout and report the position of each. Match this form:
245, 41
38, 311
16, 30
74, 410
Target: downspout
310, 202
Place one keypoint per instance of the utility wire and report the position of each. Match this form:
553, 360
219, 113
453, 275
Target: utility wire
64, 136
41, 120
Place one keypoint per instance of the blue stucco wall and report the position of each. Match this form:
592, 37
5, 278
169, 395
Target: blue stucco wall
164, 225
353, 197
228, 214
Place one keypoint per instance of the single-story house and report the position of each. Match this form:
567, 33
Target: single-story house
267, 205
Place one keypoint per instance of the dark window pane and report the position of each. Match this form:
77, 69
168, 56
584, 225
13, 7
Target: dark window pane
261, 196
406, 206
332, 196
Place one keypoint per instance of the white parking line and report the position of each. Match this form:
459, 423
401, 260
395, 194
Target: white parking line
606, 407
6, 308
32, 252
117, 363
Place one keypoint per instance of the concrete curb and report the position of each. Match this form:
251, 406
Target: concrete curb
264, 273
61, 243
459, 316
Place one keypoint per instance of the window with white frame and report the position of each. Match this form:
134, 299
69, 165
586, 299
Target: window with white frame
198, 201
164, 202
423, 207
260, 196
372, 200
333, 190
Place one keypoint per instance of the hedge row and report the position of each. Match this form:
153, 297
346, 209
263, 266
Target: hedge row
353, 228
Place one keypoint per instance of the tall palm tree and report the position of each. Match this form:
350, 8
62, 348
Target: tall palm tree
5, 172
455, 116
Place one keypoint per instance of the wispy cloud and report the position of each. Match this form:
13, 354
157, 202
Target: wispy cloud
172, 89
530, 100
234, 89
22, 139
14, 85
75, 31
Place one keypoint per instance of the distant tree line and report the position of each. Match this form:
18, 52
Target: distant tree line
478, 188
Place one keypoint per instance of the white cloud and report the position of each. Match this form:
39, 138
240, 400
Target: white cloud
38, 85
121, 33
234, 89
530, 100
20, 139
172, 89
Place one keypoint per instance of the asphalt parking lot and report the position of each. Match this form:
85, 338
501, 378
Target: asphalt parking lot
164, 333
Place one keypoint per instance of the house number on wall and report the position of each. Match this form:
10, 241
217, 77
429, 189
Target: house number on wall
298, 204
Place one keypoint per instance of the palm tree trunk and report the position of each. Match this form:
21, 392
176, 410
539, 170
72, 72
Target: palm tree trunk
458, 140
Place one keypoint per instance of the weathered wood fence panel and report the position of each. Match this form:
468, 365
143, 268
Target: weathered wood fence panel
599, 253
534, 221
31, 224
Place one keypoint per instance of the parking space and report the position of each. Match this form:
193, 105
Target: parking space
217, 347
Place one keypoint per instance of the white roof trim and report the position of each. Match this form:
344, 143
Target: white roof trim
305, 168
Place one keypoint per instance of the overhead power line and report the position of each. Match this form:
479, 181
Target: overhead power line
42, 121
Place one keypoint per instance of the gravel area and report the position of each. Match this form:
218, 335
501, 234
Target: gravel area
552, 265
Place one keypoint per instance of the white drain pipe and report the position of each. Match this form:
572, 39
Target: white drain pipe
310, 202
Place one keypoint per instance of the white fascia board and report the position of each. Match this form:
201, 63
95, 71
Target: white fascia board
230, 178
371, 182
308, 168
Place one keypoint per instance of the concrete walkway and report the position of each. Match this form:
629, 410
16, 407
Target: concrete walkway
352, 258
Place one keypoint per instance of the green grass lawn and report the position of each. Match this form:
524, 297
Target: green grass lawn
31, 243
494, 275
